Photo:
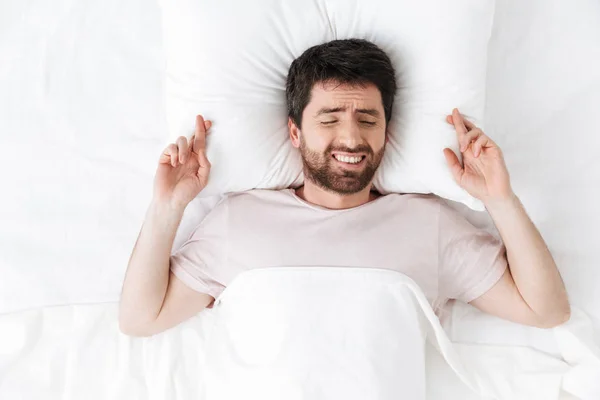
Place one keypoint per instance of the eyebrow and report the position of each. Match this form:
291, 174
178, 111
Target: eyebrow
369, 111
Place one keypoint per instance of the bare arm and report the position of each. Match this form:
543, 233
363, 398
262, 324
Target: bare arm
531, 291
152, 298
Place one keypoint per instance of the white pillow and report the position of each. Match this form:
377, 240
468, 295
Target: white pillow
228, 60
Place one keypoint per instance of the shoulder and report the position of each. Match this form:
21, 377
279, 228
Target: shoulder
255, 200
417, 202
447, 214
258, 195
432, 203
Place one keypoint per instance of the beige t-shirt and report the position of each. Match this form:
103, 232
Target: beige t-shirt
417, 235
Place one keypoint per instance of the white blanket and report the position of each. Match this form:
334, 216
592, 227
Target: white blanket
288, 333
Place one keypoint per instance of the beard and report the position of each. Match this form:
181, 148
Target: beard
320, 168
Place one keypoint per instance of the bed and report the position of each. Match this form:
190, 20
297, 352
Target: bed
82, 122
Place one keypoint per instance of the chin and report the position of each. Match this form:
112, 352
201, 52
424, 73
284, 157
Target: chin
349, 188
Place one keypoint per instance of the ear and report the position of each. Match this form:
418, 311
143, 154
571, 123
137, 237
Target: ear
294, 133
387, 136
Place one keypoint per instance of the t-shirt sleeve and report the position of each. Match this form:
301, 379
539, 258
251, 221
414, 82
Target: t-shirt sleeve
197, 263
471, 260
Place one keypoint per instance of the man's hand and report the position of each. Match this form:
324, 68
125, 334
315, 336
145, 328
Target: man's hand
483, 173
183, 168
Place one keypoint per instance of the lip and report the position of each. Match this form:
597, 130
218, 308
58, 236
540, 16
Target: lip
358, 165
349, 154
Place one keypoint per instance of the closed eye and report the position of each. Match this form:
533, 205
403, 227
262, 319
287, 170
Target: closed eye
328, 122
368, 122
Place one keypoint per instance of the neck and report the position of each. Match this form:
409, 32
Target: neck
335, 201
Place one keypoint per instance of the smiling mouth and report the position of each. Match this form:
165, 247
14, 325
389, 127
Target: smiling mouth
350, 162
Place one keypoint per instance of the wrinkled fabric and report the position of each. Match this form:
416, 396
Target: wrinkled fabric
417, 235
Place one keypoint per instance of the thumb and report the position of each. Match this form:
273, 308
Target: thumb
455, 167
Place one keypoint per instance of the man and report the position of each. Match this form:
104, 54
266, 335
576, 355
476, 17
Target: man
340, 96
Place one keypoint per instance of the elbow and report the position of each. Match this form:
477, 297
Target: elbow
128, 330
131, 327
134, 330
554, 320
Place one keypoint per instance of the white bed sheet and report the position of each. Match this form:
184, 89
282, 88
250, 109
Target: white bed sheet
77, 351
542, 109
82, 124
81, 127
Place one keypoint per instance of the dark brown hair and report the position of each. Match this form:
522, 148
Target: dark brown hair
346, 61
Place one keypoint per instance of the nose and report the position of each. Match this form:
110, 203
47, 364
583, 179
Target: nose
350, 136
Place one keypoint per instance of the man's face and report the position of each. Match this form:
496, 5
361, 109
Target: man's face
341, 125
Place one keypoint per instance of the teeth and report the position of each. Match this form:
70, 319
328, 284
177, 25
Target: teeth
346, 159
